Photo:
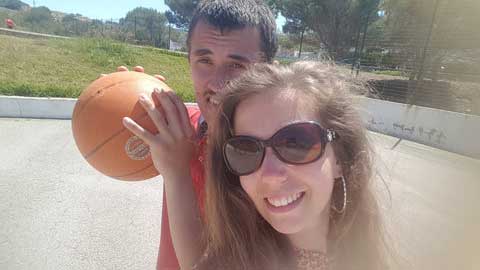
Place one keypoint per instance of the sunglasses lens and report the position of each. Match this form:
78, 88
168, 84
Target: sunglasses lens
299, 143
243, 155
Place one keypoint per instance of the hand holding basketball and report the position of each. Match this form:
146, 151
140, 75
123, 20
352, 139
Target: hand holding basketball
171, 149
137, 69
99, 132
173, 146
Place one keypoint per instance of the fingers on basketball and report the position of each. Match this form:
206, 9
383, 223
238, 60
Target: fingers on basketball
122, 68
155, 113
172, 113
139, 69
183, 114
160, 77
138, 130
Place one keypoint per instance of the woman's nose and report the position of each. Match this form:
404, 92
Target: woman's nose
272, 169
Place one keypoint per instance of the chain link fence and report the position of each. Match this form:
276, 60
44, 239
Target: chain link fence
428, 56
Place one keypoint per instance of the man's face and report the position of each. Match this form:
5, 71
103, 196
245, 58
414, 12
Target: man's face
216, 58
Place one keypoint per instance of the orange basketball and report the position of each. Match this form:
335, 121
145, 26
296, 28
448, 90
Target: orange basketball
98, 130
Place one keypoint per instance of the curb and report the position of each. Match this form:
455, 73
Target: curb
413, 123
19, 33
37, 107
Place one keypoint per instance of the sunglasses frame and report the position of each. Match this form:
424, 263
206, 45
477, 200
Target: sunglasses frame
326, 136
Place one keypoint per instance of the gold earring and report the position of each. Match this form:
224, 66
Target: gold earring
344, 206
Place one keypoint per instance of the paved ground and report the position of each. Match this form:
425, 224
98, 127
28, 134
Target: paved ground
58, 213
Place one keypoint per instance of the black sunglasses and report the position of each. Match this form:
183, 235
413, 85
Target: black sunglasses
296, 143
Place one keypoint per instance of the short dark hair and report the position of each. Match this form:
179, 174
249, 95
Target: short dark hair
237, 14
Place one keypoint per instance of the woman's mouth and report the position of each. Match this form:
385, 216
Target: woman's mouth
284, 203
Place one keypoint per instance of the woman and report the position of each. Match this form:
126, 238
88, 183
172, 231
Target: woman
289, 175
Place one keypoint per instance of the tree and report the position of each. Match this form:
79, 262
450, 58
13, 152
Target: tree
96, 29
181, 11
433, 40
148, 25
335, 22
274, 6
427, 34
70, 23
408, 28
297, 15
39, 17
12, 4
172, 20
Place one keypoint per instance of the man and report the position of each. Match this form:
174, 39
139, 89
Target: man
224, 38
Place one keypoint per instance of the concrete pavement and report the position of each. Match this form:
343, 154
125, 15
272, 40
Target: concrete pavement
56, 212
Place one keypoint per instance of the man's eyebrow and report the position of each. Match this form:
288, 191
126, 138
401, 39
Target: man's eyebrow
202, 52
239, 58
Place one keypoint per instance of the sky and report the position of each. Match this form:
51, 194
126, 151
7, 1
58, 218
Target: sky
106, 9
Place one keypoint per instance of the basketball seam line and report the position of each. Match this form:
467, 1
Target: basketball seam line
126, 175
87, 156
93, 151
97, 93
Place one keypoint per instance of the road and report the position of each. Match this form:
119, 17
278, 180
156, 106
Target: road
56, 212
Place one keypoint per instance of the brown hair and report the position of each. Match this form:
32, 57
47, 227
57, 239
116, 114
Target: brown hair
237, 236
238, 14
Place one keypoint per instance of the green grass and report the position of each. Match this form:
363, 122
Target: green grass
389, 72
63, 68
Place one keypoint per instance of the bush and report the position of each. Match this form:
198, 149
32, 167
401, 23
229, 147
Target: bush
12, 4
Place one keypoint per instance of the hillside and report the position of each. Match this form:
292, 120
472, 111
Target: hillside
13, 4
63, 68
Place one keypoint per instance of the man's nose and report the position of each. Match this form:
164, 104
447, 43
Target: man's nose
218, 80
273, 169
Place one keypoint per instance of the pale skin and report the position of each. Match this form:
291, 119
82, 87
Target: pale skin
306, 225
215, 58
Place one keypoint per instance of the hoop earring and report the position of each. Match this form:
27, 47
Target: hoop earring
344, 206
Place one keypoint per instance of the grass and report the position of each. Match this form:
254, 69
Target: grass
398, 73
63, 68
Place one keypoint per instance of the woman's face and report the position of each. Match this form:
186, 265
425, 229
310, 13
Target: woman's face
276, 183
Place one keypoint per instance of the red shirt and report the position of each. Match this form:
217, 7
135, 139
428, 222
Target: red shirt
167, 260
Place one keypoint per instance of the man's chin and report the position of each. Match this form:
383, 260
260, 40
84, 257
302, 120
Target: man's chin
207, 112
210, 117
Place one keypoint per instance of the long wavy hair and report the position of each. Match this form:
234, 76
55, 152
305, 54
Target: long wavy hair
237, 236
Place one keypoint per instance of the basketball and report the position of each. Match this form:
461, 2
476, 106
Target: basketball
97, 126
